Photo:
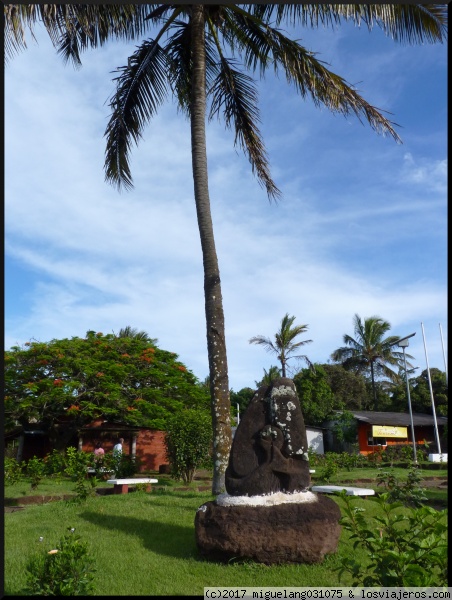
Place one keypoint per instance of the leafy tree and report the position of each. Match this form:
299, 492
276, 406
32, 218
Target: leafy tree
73, 381
284, 345
349, 388
242, 398
370, 351
188, 442
188, 57
420, 396
317, 401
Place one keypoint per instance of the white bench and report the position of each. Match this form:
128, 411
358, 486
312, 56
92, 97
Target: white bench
350, 491
121, 486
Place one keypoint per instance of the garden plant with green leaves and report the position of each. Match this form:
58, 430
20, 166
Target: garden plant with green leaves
401, 549
66, 570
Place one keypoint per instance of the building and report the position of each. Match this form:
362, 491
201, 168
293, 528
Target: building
146, 444
378, 430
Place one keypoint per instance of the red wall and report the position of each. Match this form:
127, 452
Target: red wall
150, 446
151, 449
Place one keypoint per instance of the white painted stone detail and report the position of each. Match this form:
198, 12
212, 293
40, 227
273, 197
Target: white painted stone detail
266, 500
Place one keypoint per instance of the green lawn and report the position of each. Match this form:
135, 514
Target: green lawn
144, 544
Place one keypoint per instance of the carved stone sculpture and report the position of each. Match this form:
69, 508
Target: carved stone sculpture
269, 450
268, 513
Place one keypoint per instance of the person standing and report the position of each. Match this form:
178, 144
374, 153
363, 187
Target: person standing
117, 454
98, 450
117, 448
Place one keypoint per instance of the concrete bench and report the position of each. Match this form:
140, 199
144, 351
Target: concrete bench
121, 486
350, 491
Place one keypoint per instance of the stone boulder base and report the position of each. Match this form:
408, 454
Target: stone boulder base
284, 533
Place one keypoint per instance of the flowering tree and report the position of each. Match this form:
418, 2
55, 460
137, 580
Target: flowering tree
72, 381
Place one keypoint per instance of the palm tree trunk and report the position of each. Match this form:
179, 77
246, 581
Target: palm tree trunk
216, 343
373, 385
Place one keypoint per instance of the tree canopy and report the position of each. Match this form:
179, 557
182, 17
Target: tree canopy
122, 379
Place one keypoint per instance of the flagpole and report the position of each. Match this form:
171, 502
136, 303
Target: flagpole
442, 346
431, 392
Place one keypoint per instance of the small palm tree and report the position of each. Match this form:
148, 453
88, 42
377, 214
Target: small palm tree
370, 351
269, 376
283, 345
132, 332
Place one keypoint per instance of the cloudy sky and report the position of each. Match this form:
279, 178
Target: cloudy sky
361, 226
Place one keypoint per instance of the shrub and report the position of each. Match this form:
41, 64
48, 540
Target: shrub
330, 467
13, 471
77, 469
404, 549
35, 470
126, 466
55, 463
188, 441
409, 492
65, 571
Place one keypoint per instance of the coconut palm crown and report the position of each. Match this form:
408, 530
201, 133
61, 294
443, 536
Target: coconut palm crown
370, 351
284, 345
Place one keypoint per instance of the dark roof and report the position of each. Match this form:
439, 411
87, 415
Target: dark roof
395, 418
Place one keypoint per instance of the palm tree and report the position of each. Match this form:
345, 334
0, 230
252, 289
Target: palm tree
187, 58
269, 376
370, 351
283, 345
132, 332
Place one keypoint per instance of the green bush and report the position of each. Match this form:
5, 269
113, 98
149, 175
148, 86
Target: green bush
77, 468
126, 466
409, 492
35, 470
403, 549
188, 442
55, 463
13, 471
66, 570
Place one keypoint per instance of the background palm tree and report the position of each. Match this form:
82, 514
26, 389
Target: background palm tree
269, 376
284, 345
132, 332
187, 58
370, 351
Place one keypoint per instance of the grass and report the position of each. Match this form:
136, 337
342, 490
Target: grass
344, 476
144, 544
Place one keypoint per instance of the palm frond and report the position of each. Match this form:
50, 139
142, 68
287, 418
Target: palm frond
74, 27
141, 89
178, 50
311, 77
264, 341
406, 23
234, 93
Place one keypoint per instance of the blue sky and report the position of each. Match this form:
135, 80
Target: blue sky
361, 227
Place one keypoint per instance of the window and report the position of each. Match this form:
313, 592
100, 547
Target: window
376, 441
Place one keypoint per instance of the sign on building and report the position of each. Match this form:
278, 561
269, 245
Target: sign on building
389, 431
